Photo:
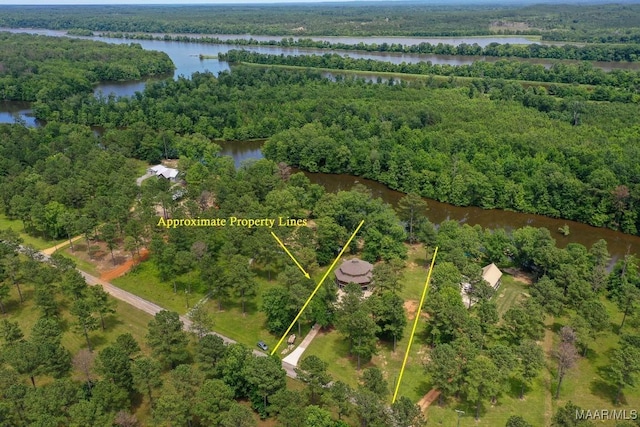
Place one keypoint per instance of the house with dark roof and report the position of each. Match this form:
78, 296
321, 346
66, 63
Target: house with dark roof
354, 271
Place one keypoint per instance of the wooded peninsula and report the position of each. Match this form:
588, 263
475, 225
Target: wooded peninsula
46, 68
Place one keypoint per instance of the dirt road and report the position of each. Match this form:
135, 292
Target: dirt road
153, 309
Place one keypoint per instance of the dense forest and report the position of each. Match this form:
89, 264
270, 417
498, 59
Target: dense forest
581, 73
591, 52
600, 23
59, 181
477, 355
71, 356
485, 145
44, 68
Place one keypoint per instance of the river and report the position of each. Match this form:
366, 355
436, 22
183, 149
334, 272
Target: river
618, 243
185, 57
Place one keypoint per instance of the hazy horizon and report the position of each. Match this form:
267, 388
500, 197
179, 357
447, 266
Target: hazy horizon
248, 2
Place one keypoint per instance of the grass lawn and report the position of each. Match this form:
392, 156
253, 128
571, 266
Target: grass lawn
81, 263
143, 281
510, 292
125, 319
531, 408
585, 384
248, 328
36, 242
333, 348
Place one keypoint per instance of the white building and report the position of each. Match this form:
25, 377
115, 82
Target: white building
490, 274
164, 172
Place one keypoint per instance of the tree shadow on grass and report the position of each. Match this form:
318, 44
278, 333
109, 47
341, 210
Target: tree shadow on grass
589, 354
110, 321
14, 307
515, 388
423, 388
555, 327
98, 339
137, 399
606, 391
383, 345
250, 307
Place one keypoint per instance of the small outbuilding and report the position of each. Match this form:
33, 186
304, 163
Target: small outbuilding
354, 271
492, 275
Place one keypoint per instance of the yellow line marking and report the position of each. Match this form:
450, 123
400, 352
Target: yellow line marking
415, 325
329, 270
289, 253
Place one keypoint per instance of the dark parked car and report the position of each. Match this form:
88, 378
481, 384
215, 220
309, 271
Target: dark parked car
262, 345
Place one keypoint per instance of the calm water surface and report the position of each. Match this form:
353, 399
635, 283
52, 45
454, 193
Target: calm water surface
479, 40
618, 243
16, 111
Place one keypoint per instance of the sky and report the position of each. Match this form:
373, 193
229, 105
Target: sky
52, 2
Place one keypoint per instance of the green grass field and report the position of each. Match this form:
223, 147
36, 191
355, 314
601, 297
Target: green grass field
125, 319
247, 328
143, 281
584, 384
510, 292
36, 242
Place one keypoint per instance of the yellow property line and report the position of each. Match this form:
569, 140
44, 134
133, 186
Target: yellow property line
344, 248
290, 255
415, 325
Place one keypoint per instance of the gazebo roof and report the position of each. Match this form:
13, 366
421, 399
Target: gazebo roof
354, 270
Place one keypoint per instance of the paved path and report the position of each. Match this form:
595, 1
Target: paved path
143, 177
295, 355
152, 309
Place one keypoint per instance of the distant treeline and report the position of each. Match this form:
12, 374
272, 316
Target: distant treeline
597, 52
582, 73
44, 68
599, 23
